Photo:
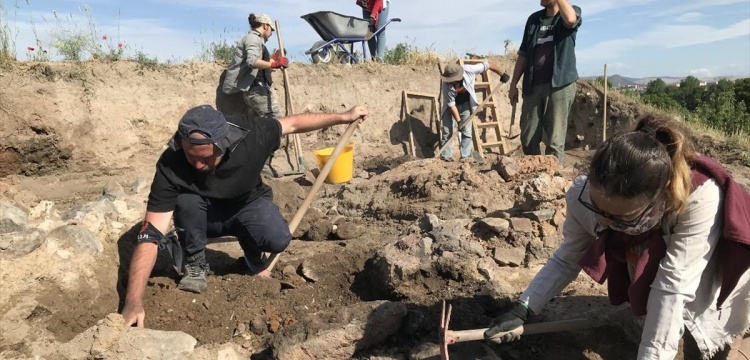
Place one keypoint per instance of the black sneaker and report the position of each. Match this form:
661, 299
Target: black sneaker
194, 278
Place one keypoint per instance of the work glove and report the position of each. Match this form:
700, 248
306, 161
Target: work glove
512, 319
282, 61
278, 61
504, 77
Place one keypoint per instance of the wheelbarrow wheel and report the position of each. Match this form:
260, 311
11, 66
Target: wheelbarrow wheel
324, 55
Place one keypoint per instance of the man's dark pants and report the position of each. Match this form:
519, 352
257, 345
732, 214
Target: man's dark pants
257, 224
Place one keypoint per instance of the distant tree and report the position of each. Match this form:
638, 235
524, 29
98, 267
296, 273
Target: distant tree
657, 86
742, 92
690, 93
600, 81
660, 95
722, 111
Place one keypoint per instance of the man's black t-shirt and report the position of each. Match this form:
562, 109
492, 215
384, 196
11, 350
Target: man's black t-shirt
236, 179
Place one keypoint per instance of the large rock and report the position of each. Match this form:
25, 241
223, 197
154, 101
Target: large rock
346, 230
79, 238
45, 210
512, 168
536, 193
113, 190
111, 339
394, 267
12, 219
339, 333
495, 224
14, 245
509, 256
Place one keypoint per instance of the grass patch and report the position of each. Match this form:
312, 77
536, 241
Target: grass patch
406, 54
146, 62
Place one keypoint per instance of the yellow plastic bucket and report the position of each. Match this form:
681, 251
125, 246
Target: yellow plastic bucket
343, 167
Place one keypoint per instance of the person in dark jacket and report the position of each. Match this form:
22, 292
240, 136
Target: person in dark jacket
547, 61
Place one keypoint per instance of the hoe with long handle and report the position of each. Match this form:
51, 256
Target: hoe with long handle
289, 106
274, 258
450, 337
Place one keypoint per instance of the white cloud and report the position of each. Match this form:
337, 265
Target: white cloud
702, 73
689, 17
690, 6
665, 36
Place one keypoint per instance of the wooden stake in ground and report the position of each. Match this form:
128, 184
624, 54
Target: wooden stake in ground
274, 258
604, 108
288, 102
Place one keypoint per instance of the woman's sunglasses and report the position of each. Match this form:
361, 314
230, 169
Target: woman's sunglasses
619, 221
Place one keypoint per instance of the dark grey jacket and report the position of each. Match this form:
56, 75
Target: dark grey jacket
564, 70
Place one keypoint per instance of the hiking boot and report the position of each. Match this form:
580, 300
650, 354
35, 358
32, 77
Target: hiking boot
194, 277
251, 265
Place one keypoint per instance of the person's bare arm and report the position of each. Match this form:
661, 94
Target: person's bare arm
454, 112
518, 70
144, 258
301, 123
567, 13
496, 69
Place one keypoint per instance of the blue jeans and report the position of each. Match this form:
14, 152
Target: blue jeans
377, 43
257, 224
464, 110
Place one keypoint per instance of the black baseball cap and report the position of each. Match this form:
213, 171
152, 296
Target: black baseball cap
207, 121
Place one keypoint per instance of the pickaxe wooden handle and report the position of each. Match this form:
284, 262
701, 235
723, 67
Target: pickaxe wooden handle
449, 337
274, 258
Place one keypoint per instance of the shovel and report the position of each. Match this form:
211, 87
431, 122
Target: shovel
274, 258
450, 337
290, 108
512, 122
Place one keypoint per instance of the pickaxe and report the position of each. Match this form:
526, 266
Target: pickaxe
450, 337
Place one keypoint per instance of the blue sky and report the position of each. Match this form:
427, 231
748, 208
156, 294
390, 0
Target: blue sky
638, 38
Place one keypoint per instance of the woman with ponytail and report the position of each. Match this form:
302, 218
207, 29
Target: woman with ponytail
669, 230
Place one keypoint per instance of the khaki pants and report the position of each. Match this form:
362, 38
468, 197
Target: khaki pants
545, 112
261, 102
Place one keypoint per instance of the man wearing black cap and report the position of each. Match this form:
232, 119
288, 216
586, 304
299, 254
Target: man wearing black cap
209, 179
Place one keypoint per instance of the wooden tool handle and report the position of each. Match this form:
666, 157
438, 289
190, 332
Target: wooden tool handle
274, 258
453, 337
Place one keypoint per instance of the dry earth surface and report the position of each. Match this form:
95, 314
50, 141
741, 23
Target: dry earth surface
373, 260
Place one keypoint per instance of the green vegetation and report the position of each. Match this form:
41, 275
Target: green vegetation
405, 54
724, 106
219, 51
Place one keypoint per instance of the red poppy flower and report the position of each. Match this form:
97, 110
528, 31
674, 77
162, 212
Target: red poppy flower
30, 48
104, 37
119, 44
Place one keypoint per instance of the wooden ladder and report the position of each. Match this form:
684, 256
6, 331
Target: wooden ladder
483, 87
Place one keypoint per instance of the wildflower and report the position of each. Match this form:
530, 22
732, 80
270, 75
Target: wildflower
119, 44
104, 37
30, 48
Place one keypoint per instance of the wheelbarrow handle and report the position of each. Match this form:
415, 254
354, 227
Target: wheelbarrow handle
452, 337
